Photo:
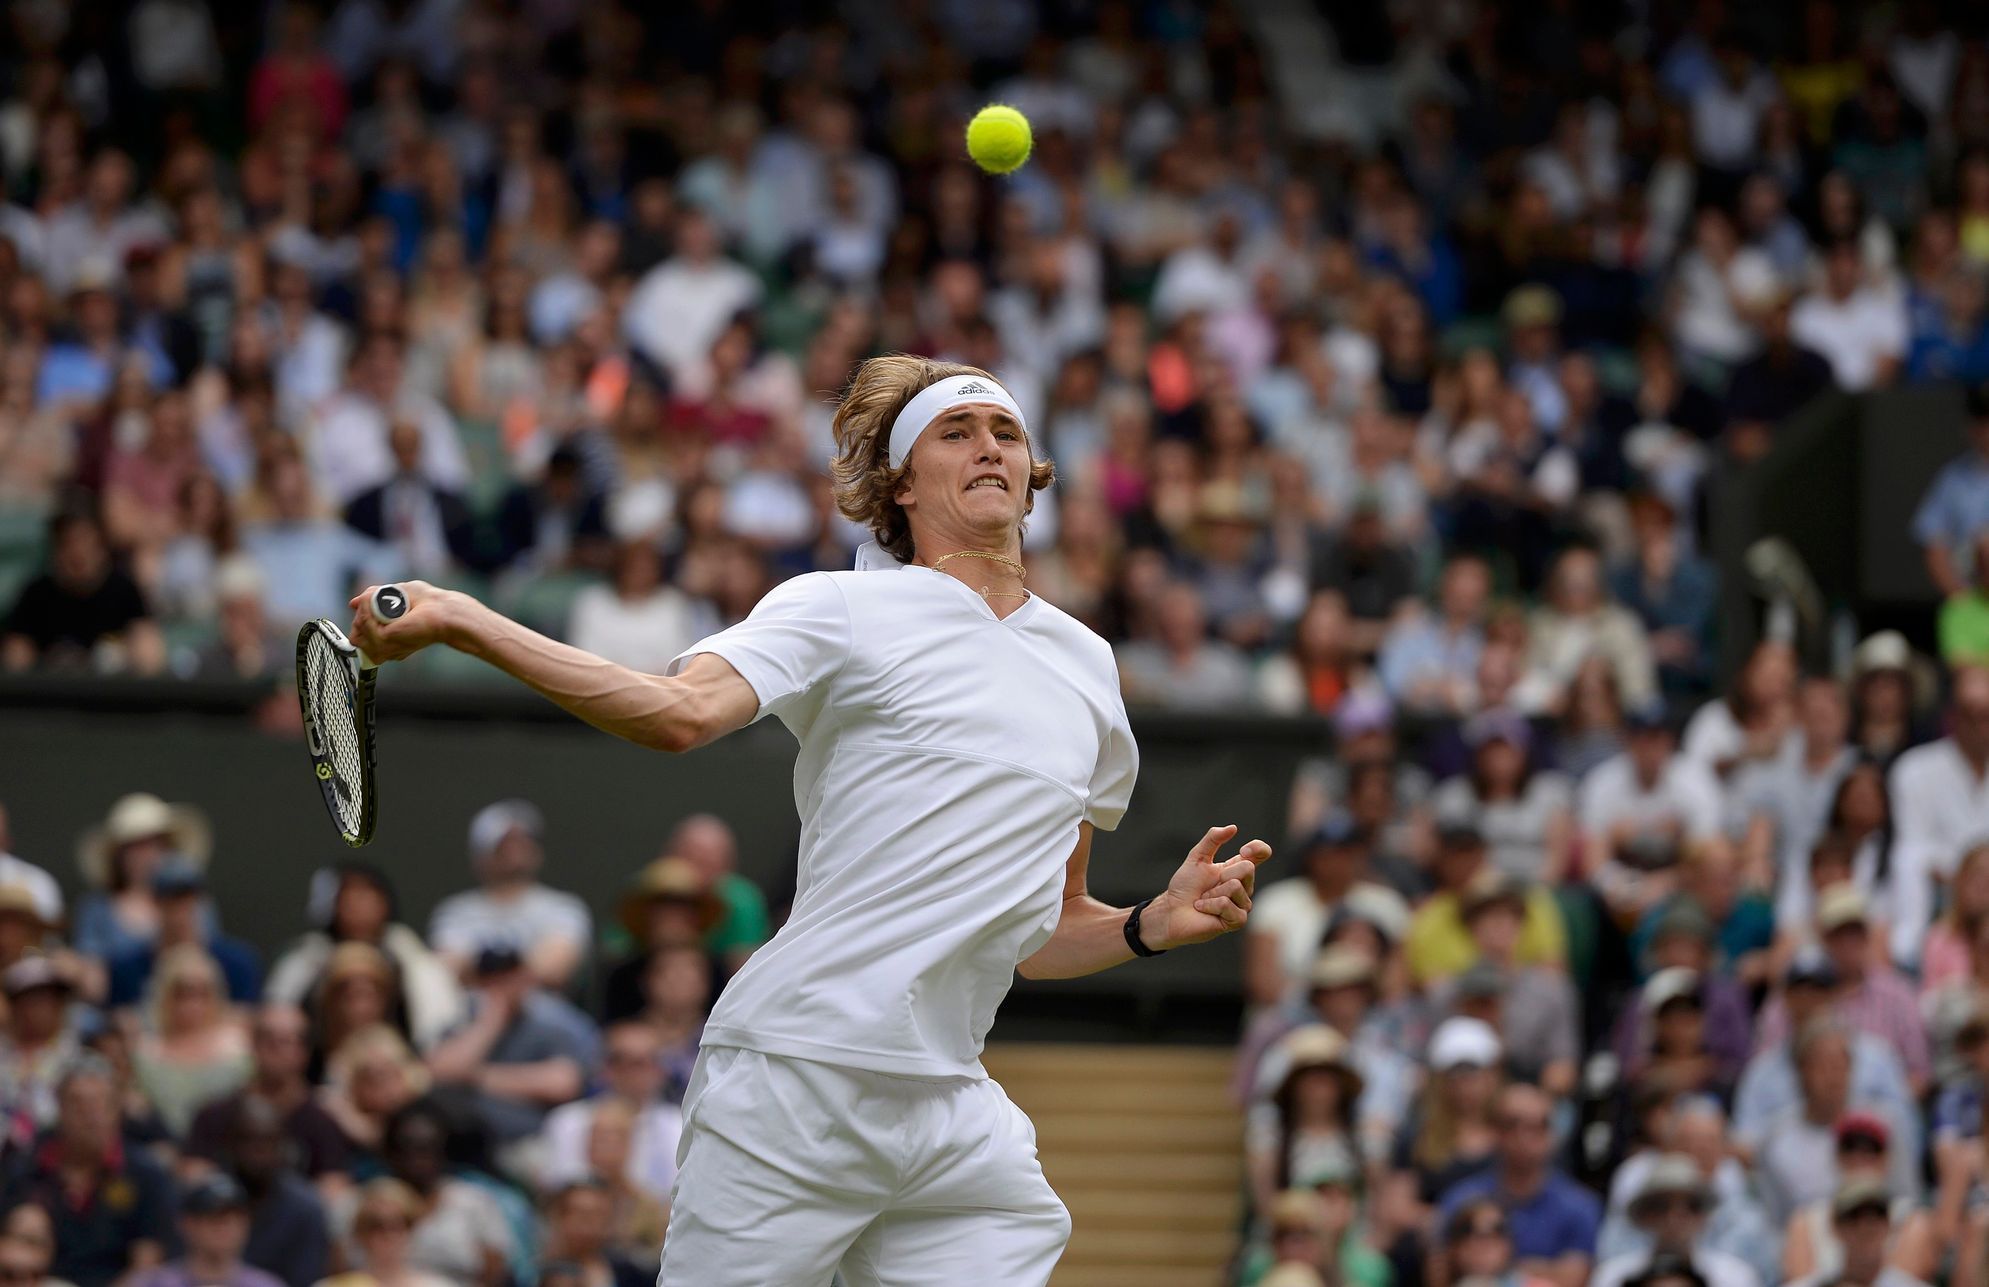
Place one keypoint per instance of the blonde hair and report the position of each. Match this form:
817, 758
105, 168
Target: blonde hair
866, 487
375, 1039
176, 965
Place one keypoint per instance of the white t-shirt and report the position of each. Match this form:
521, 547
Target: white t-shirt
1686, 793
947, 758
1291, 911
652, 1161
1718, 1268
1852, 334
468, 922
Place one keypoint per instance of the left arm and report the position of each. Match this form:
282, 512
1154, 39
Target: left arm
1203, 900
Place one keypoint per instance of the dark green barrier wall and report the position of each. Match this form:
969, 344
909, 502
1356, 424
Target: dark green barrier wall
608, 805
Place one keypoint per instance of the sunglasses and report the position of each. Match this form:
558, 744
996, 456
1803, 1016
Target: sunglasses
1674, 1206
1861, 1144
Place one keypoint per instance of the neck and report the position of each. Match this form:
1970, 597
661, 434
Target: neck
1520, 1180
209, 1265
995, 574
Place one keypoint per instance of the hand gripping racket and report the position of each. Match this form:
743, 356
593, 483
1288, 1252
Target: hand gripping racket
335, 690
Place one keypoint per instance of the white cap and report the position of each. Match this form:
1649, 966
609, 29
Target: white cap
1464, 1040
496, 821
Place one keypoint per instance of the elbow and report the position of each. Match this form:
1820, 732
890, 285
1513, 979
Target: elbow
1027, 968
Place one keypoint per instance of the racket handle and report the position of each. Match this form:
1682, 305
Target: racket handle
388, 603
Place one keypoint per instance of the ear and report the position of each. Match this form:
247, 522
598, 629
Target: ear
905, 496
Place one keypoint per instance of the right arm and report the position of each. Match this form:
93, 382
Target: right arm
667, 713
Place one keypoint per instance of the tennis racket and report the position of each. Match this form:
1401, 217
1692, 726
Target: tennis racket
335, 684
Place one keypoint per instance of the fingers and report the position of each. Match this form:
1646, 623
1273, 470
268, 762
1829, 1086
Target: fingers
1230, 893
1215, 838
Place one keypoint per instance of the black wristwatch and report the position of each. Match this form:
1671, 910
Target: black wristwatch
1133, 932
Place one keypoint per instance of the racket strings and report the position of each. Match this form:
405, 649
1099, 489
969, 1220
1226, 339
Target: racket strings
335, 704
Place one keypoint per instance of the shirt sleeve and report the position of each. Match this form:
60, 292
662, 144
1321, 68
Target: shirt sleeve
1112, 779
1930, 520
797, 638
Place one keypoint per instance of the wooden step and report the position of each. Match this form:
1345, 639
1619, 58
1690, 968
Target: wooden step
1136, 1133
1145, 1148
1201, 1172
1143, 1209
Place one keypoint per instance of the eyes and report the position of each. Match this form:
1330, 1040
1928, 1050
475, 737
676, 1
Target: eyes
1003, 434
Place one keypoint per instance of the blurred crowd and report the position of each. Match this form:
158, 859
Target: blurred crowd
552, 302
1388, 356
490, 1099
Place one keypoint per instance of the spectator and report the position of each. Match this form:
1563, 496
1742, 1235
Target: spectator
522, 1052
1814, 1244
557, 524
1864, 1222
214, 1225
709, 844
288, 1236
15, 870
1450, 1132
1478, 1247
279, 1040
352, 439
383, 1221
1956, 506
97, 1242
1672, 593
118, 859
1752, 722
1891, 688
186, 919
1872, 996
1525, 811
196, 1050
1672, 1208
38, 1045
426, 525
1940, 809
1779, 380
354, 902
1859, 329
1857, 846
27, 1250
1553, 1220
459, 1233
634, 1079
677, 994
679, 306
1695, 1127
310, 562
578, 1229
1578, 621
369, 1078
1427, 661
1180, 667
1964, 619
1785, 802
1312, 1106
1319, 666
83, 611
1288, 920
1440, 944
1538, 1017
1639, 812
639, 620
511, 908
669, 904
1796, 1161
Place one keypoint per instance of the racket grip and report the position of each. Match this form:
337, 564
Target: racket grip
388, 603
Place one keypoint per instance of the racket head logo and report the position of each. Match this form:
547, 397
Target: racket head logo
313, 740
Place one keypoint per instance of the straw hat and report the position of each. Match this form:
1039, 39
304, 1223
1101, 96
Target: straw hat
1888, 650
1318, 1046
673, 879
136, 817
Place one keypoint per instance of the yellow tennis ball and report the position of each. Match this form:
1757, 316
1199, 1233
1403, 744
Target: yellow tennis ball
998, 139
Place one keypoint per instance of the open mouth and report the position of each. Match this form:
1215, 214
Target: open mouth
989, 480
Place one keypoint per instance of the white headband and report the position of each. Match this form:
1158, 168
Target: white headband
935, 400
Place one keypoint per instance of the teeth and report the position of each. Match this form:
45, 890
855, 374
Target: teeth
987, 482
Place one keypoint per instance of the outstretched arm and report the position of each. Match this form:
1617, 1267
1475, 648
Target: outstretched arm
1204, 899
669, 713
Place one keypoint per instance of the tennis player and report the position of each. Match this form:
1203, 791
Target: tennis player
961, 739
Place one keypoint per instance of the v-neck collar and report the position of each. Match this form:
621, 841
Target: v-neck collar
986, 609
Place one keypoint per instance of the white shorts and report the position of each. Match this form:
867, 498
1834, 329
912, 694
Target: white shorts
790, 1171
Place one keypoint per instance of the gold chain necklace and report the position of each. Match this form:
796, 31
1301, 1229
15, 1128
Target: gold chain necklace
988, 591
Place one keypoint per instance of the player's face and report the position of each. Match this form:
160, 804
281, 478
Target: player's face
970, 475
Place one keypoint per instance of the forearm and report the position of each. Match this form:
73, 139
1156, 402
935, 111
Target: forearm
650, 710
550, 1081
457, 1059
1090, 936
